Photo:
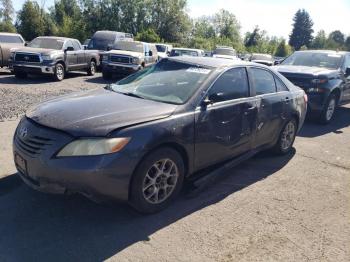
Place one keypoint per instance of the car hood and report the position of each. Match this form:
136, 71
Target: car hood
35, 50
304, 70
97, 112
123, 52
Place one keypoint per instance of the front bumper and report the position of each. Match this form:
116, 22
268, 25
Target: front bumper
122, 69
97, 177
42, 68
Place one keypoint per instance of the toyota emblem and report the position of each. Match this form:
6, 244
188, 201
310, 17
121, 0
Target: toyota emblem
26, 58
23, 132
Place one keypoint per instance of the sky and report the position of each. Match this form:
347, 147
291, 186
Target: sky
274, 16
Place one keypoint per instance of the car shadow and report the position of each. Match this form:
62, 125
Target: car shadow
341, 120
9, 78
35, 226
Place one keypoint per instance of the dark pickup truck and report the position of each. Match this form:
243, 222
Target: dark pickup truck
325, 77
54, 56
7, 42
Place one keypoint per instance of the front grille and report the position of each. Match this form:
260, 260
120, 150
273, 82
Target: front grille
120, 59
28, 58
31, 144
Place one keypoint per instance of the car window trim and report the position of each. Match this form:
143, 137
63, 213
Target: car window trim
217, 77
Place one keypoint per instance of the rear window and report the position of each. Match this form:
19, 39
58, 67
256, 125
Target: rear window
10, 39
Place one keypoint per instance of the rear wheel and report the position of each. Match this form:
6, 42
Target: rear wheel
59, 72
329, 110
287, 137
157, 181
20, 74
92, 68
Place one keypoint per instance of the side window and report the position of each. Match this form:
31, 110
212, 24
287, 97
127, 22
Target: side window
232, 84
280, 85
263, 81
68, 44
76, 45
146, 49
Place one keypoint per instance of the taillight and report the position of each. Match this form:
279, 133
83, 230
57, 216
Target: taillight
305, 98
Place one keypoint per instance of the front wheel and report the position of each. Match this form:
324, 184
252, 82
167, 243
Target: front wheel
59, 72
329, 110
92, 68
157, 181
286, 138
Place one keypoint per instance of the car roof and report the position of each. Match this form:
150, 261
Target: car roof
211, 61
324, 52
6, 33
57, 38
189, 49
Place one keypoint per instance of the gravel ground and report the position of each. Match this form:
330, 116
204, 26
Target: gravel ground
16, 95
290, 208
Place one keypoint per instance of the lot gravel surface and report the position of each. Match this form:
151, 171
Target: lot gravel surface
290, 208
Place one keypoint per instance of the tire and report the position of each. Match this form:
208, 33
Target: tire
20, 74
152, 189
59, 72
106, 75
328, 111
286, 138
92, 68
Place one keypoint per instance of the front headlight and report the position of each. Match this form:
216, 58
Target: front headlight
105, 58
46, 57
135, 60
94, 146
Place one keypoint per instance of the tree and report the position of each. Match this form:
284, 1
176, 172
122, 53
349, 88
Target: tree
347, 43
148, 35
338, 37
320, 41
6, 13
227, 26
252, 39
282, 49
204, 28
302, 30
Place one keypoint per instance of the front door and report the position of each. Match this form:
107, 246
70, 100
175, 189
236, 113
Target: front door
71, 56
225, 128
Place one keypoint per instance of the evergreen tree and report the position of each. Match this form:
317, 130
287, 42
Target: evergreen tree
302, 30
282, 49
320, 41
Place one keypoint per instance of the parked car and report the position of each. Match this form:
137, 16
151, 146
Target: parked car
225, 52
138, 139
325, 77
128, 57
186, 52
53, 56
7, 42
264, 59
163, 50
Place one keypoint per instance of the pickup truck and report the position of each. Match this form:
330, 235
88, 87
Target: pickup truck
325, 77
53, 56
7, 42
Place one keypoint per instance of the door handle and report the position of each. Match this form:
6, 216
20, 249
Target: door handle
249, 109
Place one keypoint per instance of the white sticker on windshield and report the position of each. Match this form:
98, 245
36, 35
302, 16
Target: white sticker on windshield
198, 70
331, 55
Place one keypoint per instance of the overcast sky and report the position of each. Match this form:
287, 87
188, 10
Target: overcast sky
274, 16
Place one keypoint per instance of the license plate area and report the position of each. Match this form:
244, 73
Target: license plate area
21, 164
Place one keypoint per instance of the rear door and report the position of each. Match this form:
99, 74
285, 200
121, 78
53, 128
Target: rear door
225, 128
270, 103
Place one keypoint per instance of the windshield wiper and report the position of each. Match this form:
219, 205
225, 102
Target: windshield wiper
131, 94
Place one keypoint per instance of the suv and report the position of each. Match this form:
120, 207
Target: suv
325, 77
7, 42
105, 40
225, 52
128, 57
54, 56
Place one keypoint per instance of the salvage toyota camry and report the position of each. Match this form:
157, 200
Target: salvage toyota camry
138, 139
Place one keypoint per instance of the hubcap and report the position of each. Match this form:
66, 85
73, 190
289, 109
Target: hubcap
288, 136
330, 109
59, 72
160, 181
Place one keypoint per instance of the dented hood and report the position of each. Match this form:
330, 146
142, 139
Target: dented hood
97, 112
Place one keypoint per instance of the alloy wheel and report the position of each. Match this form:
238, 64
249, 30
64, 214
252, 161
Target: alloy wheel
288, 136
330, 109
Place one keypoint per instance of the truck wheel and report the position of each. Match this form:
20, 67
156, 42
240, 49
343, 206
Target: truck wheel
20, 74
92, 68
59, 72
106, 75
157, 181
329, 110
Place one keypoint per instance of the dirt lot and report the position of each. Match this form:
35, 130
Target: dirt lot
292, 208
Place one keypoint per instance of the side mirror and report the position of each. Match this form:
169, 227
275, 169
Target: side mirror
109, 47
69, 48
206, 102
150, 53
85, 47
347, 71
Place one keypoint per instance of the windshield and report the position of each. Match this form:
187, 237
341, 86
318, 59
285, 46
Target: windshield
129, 46
326, 60
261, 57
161, 48
167, 81
183, 52
48, 43
10, 39
224, 51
